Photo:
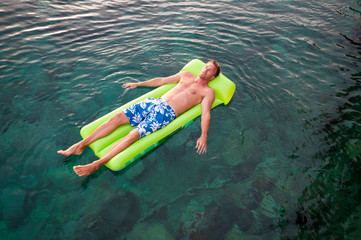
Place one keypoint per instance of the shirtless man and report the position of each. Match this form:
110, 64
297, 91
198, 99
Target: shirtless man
152, 114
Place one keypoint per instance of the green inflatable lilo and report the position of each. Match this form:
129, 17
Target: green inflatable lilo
223, 87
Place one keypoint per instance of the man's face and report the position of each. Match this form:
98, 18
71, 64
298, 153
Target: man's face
208, 71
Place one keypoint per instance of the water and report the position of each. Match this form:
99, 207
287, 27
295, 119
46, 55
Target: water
283, 157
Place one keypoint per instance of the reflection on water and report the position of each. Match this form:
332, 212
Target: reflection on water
283, 157
330, 206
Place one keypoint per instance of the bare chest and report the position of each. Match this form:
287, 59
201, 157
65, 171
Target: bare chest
190, 89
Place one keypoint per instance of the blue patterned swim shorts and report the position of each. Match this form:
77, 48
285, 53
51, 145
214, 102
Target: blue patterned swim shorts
149, 115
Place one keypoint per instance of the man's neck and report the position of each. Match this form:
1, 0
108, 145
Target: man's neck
201, 81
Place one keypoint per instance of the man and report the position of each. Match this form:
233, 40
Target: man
153, 114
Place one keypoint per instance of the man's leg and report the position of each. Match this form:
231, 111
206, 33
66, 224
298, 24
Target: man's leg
84, 170
103, 130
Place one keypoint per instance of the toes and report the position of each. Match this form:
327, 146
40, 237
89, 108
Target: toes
77, 170
80, 171
64, 153
72, 150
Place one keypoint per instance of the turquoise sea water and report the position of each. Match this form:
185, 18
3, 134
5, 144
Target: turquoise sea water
283, 157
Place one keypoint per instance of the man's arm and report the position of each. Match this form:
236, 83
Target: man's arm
205, 120
155, 82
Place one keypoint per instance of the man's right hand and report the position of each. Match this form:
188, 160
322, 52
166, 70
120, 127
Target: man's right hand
130, 85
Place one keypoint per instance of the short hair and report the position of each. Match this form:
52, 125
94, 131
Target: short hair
217, 66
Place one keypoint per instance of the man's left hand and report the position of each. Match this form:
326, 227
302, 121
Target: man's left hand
202, 145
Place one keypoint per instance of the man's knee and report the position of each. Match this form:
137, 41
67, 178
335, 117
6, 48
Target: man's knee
119, 118
134, 135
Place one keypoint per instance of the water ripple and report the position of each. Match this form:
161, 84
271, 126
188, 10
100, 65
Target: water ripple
295, 64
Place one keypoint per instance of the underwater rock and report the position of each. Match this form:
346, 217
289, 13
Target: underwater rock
266, 174
207, 224
353, 148
239, 203
262, 183
270, 214
9, 173
269, 207
239, 195
135, 170
64, 180
234, 234
160, 214
241, 146
243, 171
63, 205
353, 225
6, 233
180, 137
154, 157
70, 229
13, 202
149, 231
116, 217
176, 143
39, 214
39, 227
29, 182
234, 216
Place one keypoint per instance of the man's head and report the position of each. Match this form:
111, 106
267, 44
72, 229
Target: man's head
210, 71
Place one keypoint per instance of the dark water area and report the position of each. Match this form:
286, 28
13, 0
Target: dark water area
284, 155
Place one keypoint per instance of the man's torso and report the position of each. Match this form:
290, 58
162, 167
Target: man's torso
186, 94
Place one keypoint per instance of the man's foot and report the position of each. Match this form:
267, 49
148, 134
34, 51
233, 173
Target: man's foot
85, 170
75, 149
